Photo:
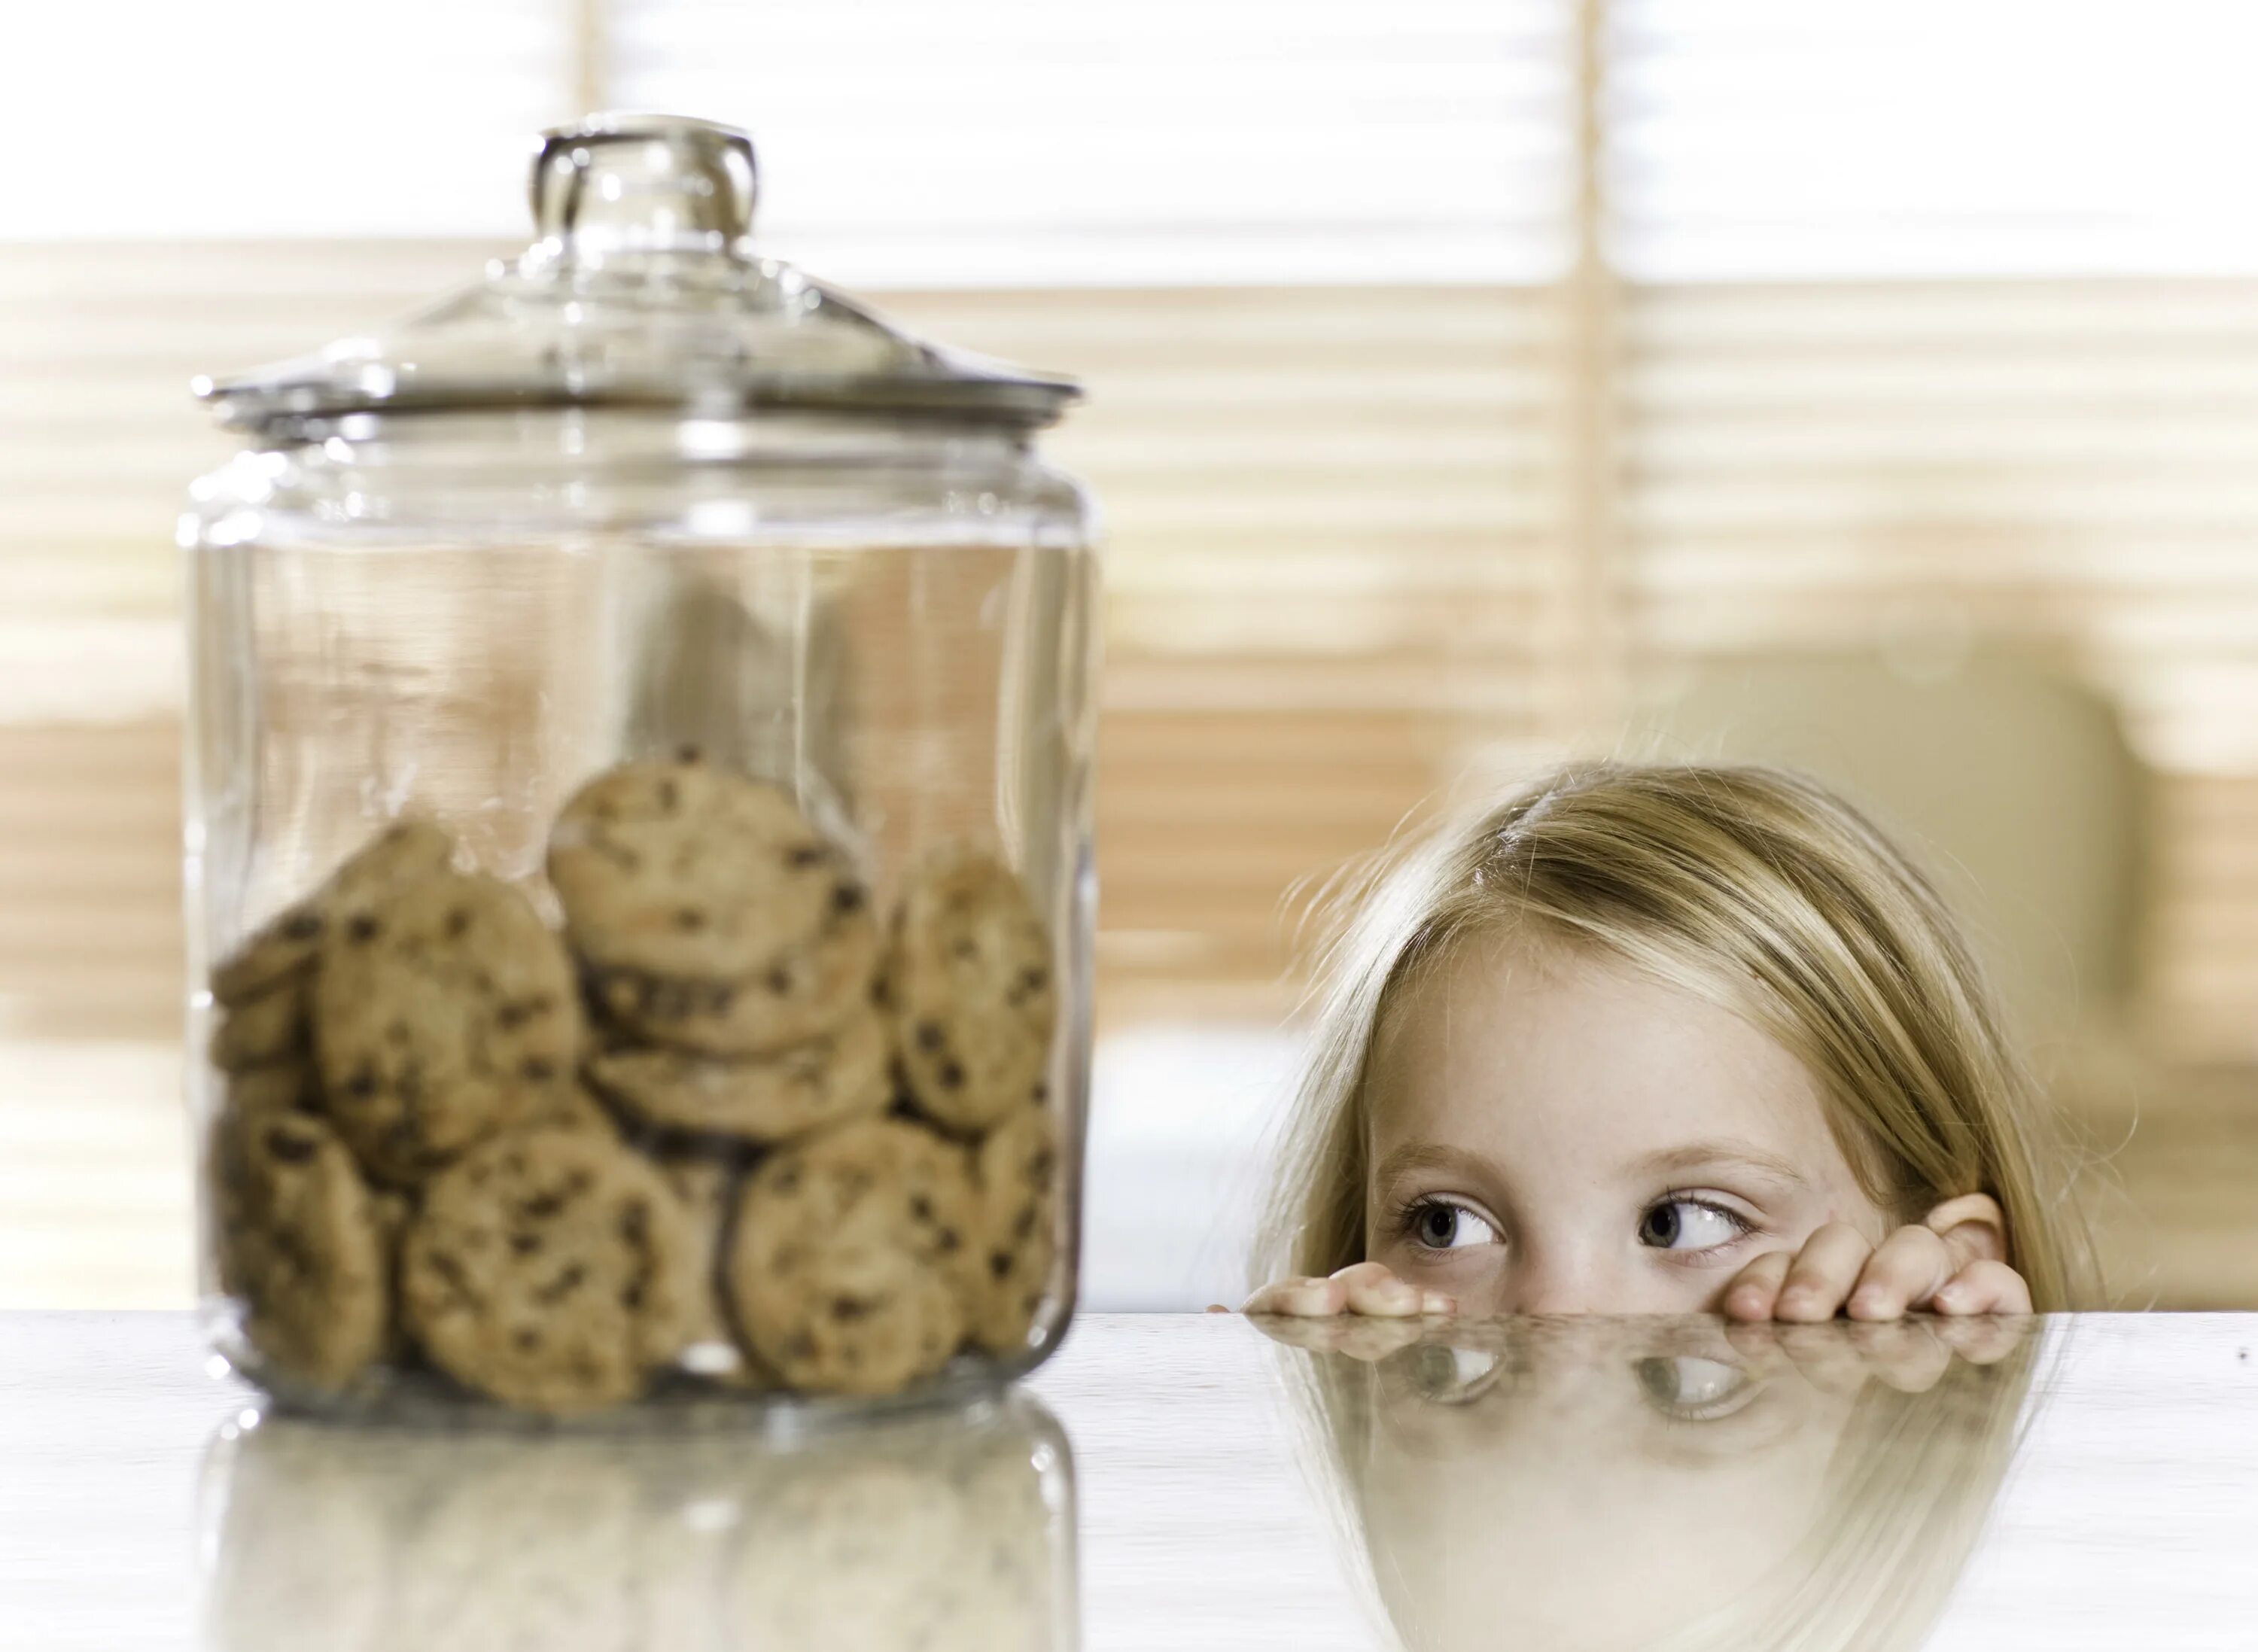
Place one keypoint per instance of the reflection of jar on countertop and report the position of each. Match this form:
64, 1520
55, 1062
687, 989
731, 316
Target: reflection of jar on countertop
950, 1529
732, 653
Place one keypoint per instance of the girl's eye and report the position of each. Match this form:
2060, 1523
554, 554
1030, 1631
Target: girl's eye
1448, 1227
1693, 1389
1688, 1225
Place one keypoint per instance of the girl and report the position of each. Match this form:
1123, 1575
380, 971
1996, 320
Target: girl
1669, 1485
1664, 1040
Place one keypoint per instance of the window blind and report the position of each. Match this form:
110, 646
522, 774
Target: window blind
1176, 142
234, 119
1390, 458
1937, 316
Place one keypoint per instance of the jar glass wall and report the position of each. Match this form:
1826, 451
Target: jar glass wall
639, 886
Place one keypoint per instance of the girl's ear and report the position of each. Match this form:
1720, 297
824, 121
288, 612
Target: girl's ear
1974, 1226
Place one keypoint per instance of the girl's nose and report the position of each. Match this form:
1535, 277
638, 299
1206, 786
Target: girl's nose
1552, 1285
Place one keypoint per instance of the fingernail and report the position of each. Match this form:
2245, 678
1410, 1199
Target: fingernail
1867, 1301
1435, 1302
1950, 1296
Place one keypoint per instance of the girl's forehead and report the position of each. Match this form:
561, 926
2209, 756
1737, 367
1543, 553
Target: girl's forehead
1507, 1040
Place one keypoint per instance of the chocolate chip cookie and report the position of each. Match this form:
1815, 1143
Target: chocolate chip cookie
550, 1269
801, 996
969, 984
684, 871
836, 1077
849, 1270
443, 1013
299, 1243
1018, 1171
287, 946
284, 1087
270, 1030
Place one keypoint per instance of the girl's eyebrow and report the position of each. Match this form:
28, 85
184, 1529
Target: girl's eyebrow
1429, 1156
1724, 1151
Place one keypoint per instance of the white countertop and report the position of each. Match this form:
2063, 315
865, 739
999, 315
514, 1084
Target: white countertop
1187, 1482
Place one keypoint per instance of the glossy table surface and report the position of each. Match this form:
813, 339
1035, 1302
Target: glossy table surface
1192, 1482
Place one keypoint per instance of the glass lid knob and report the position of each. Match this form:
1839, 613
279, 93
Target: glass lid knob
644, 180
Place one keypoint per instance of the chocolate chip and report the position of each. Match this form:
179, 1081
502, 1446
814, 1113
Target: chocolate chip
963, 947
690, 920
846, 899
631, 1295
920, 1207
670, 796
459, 922
304, 926
846, 1310
999, 1264
779, 981
541, 1206
929, 1036
634, 1223
1024, 1223
946, 1241
1042, 1092
688, 753
363, 929
511, 1016
289, 1147
806, 855
1034, 978
949, 1074
562, 1286
537, 1069
527, 1339
1042, 1164
361, 1085
451, 1272
525, 1243
801, 1347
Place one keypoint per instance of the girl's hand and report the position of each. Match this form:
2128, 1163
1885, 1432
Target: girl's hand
1362, 1287
1953, 1263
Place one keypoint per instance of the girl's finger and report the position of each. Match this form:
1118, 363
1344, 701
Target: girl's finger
1903, 1274
1758, 1344
1374, 1291
1982, 1342
1374, 1340
1822, 1273
1305, 1299
1755, 1287
1905, 1353
1985, 1287
1825, 1357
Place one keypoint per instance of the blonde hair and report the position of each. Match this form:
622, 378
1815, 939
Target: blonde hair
1761, 891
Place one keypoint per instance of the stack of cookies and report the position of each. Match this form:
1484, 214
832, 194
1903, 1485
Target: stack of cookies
725, 1126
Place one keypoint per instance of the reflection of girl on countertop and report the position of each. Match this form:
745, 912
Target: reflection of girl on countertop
1651, 1039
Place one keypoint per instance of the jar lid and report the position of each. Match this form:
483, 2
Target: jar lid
642, 289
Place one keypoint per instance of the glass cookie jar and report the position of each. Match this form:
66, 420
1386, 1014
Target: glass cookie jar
637, 836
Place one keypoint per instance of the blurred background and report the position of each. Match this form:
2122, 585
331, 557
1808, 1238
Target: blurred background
1472, 383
